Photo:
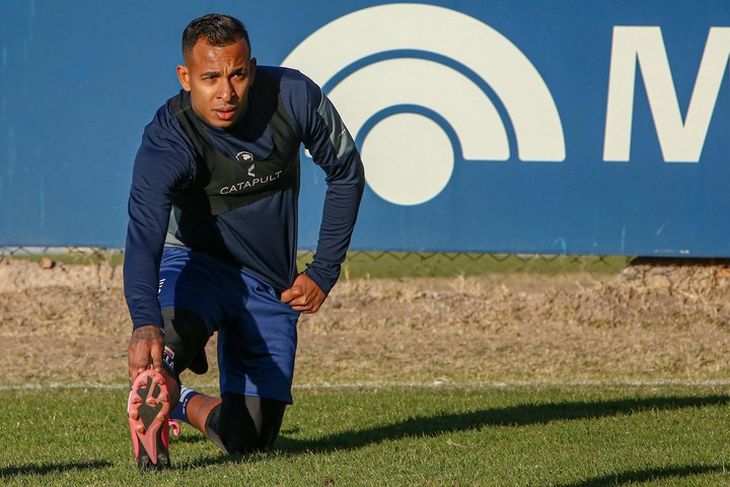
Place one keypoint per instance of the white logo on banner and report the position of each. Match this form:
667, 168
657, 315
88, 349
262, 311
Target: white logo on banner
408, 155
643, 47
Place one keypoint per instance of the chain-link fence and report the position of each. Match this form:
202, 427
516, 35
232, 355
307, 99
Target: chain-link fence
380, 264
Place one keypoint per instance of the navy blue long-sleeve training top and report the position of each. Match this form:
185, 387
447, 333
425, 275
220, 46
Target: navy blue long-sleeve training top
241, 208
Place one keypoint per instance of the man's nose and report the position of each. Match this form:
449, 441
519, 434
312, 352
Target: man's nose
226, 92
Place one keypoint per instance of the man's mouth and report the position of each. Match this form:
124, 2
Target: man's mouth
226, 113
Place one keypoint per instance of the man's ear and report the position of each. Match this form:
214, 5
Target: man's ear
252, 67
183, 76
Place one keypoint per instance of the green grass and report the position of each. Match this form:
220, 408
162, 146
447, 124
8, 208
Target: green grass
408, 264
568, 437
421, 264
75, 257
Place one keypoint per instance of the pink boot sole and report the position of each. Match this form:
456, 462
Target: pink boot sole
147, 410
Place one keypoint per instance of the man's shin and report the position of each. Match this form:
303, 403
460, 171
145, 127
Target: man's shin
199, 409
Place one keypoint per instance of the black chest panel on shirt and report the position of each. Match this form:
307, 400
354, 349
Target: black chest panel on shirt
232, 183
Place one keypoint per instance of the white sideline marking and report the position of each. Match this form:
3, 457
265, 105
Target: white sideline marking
415, 385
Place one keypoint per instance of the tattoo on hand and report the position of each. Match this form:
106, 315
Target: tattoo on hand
146, 333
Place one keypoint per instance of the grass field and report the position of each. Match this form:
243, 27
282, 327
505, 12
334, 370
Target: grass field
517, 436
546, 325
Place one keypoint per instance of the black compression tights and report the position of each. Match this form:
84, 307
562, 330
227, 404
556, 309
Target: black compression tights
241, 424
245, 424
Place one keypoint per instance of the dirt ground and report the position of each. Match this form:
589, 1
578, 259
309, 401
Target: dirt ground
69, 324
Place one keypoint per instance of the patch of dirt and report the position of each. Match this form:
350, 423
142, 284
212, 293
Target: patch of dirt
69, 323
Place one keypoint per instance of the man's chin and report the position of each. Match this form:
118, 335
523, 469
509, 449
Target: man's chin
221, 123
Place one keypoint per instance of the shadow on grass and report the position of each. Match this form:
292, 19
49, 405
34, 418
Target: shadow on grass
647, 475
193, 437
46, 468
520, 415
514, 416
221, 459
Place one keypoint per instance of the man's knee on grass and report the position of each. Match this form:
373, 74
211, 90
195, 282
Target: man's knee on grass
245, 424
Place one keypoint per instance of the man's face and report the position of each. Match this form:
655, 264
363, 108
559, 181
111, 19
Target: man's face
218, 79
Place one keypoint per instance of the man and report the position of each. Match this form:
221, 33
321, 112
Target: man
211, 242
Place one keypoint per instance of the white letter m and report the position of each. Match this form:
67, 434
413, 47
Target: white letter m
680, 140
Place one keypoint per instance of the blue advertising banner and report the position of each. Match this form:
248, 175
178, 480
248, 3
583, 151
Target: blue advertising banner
534, 127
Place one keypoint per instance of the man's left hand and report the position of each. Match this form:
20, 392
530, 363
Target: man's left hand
304, 295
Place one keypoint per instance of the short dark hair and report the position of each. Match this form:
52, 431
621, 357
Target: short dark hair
219, 30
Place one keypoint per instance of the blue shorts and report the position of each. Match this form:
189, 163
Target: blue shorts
257, 333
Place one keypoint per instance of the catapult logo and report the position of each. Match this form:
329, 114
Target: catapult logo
244, 157
418, 95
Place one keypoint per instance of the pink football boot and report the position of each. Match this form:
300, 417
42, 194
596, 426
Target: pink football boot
147, 410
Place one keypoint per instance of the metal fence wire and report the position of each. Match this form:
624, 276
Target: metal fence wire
676, 276
379, 264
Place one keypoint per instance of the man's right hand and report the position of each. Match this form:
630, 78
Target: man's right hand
145, 348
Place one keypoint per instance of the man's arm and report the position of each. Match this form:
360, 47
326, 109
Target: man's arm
162, 164
332, 148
